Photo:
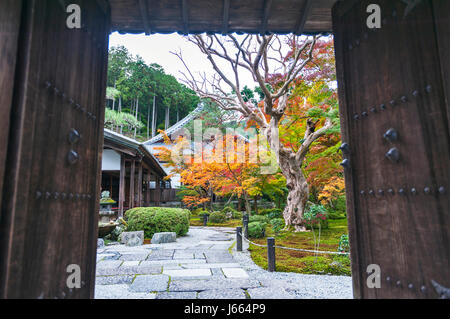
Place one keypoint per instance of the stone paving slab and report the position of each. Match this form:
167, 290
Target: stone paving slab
150, 283
234, 273
216, 283
150, 269
130, 263
161, 253
222, 294
114, 280
173, 266
133, 256
181, 255
120, 292
104, 256
210, 265
214, 242
109, 264
172, 262
219, 257
200, 255
269, 293
186, 273
177, 295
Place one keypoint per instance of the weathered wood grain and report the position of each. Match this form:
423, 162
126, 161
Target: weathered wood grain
406, 234
221, 16
51, 203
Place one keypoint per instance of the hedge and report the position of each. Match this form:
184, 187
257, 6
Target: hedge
217, 217
158, 219
256, 230
259, 218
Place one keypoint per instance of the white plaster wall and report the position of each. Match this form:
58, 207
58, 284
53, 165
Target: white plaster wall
110, 160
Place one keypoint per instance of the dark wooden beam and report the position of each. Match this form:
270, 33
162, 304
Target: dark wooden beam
132, 173
304, 13
63, 5
140, 184
121, 185
104, 6
119, 148
157, 192
265, 17
143, 6
185, 15
226, 16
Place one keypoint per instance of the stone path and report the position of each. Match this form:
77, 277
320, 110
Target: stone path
204, 265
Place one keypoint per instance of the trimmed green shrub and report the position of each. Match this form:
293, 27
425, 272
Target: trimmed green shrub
277, 224
199, 212
260, 219
228, 209
217, 217
237, 215
158, 219
256, 230
274, 213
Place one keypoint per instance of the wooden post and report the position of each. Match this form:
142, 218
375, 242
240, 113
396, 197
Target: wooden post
132, 173
121, 185
239, 238
157, 192
140, 184
147, 192
110, 185
245, 223
271, 254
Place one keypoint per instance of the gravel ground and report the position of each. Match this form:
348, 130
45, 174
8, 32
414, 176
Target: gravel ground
299, 285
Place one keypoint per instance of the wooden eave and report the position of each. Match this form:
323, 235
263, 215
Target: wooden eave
222, 16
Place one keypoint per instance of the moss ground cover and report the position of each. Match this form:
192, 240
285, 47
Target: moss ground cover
198, 221
303, 262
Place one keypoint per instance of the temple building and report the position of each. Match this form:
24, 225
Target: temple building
133, 176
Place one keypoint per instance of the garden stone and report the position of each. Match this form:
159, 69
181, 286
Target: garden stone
165, 237
133, 238
100, 243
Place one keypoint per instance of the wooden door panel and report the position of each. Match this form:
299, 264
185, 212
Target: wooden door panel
52, 195
398, 210
10, 17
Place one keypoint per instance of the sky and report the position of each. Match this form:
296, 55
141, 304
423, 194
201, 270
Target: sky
156, 49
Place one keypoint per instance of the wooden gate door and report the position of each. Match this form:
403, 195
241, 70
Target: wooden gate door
51, 189
394, 104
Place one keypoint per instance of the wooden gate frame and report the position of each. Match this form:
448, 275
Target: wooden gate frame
12, 141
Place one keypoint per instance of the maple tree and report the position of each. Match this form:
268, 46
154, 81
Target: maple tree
278, 75
218, 172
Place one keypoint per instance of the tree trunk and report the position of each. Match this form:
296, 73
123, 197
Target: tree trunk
291, 168
137, 109
298, 193
248, 209
154, 116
